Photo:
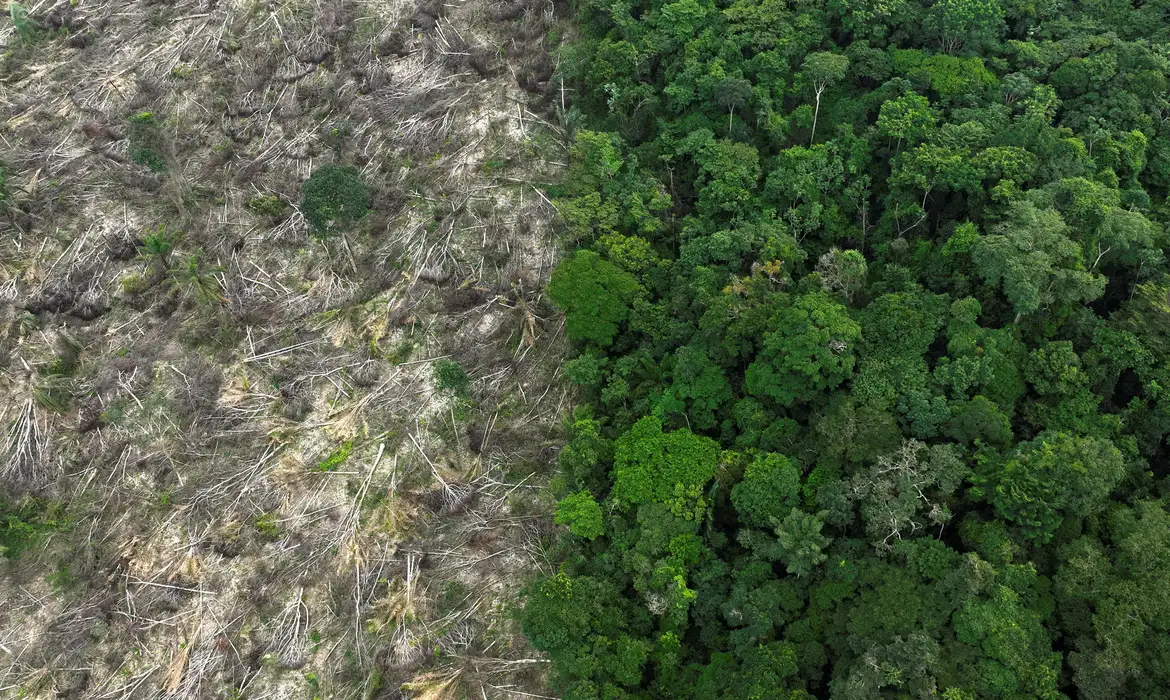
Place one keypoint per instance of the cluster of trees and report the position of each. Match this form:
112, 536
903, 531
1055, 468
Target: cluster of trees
871, 317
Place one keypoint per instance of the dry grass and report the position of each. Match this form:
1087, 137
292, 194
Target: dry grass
269, 497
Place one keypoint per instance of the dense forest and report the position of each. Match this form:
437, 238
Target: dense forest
871, 324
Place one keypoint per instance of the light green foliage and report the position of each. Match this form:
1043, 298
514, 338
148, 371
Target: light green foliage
1035, 261
648, 463
335, 459
334, 199
812, 350
1016, 655
582, 514
908, 118
1053, 476
595, 294
799, 542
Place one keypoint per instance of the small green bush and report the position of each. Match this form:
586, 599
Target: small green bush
333, 199
451, 378
25, 28
146, 142
268, 205
134, 284
23, 524
266, 525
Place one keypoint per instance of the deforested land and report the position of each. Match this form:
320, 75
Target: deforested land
278, 375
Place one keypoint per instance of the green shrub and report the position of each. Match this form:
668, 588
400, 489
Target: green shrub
268, 205
266, 525
157, 247
54, 392
333, 199
134, 284
25, 28
146, 142
451, 378
23, 524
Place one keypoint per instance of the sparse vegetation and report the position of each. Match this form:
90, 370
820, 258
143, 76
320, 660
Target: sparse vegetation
335, 459
272, 488
24, 523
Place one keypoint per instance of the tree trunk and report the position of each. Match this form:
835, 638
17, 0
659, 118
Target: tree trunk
816, 113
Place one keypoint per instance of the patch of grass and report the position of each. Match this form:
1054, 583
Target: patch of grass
335, 459
63, 580
265, 524
401, 353
134, 284
54, 392
113, 414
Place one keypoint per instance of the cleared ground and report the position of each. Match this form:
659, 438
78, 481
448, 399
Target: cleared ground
280, 468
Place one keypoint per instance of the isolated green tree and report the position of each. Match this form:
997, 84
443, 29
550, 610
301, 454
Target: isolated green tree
822, 69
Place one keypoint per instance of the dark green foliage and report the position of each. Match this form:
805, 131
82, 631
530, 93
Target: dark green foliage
1053, 476
812, 350
334, 199
450, 377
877, 400
146, 141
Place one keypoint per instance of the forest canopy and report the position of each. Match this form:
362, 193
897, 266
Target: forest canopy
870, 310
